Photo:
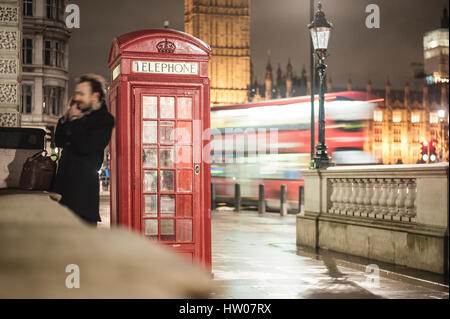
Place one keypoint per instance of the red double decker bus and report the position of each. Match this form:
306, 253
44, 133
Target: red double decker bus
268, 142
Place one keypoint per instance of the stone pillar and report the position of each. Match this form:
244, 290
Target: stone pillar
10, 61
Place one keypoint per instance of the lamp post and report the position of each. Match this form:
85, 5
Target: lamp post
320, 33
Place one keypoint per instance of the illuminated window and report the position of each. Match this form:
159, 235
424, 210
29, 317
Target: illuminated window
415, 117
434, 118
378, 116
397, 117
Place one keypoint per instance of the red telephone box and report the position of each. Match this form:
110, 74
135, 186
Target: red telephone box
160, 181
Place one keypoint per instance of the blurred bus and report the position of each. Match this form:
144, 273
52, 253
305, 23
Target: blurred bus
268, 142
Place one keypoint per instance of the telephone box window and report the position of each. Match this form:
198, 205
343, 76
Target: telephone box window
184, 181
184, 132
184, 205
151, 227
150, 132
184, 156
151, 205
167, 206
150, 181
167, 229
184, 108
150, 107
167, 107
166, 158
184, 230
149, 158
167, 181
167, 132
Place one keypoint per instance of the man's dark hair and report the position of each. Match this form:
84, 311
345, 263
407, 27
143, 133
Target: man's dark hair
97, 83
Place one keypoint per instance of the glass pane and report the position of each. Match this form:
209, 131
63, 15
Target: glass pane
151, 205
167, 107
184, 181
166, 158
167, 229
149, 157
167, 132
184, 108
167, 206
151, 227
149, 107
167, 181
150, 181
184, 230
184, 132
184, 205
150, 133
184, 156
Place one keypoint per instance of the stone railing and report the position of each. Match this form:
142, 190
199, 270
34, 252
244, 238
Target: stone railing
384, 198
404, 193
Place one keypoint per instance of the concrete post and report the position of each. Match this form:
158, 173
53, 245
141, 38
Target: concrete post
213, 197
283, 203
237, 197
261, 200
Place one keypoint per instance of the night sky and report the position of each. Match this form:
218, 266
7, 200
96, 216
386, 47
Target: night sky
279, 26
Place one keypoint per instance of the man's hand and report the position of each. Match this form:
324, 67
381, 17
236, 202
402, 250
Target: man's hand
72, 111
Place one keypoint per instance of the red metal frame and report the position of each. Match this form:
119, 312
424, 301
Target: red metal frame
126, 144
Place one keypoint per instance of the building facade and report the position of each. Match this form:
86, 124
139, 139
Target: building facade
406, 119
45, 65
10, 62
225, 26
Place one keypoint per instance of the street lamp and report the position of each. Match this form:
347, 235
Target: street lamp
320, 33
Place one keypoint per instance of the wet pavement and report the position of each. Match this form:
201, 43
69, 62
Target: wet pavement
255, 256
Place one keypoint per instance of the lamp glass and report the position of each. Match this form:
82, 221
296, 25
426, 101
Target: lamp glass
320, 37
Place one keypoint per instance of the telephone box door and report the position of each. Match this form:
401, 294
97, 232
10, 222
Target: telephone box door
168, 177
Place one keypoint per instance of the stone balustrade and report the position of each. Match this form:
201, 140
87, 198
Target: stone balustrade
392, 213
406, 193
384, 198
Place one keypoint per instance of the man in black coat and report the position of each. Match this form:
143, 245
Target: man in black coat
83, 132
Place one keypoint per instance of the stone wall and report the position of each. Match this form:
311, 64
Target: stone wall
10, 61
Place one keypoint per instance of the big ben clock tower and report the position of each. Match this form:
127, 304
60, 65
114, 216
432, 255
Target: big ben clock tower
225, 26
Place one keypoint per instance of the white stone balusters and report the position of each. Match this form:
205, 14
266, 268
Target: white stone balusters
337, 187
341, 196
410, 201
375, 197
346, 197
400, 201
382, 201
392, 196
360, 197
353, 207
367, 198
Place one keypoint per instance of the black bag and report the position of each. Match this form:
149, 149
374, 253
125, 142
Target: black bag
38, 172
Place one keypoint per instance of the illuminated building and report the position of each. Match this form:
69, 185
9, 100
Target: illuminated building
225, 26
45, 63
405, 119
435, 47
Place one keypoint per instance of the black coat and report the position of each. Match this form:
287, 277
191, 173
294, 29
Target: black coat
83, 142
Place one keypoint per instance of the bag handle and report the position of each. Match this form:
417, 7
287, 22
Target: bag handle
46, 153
40, 152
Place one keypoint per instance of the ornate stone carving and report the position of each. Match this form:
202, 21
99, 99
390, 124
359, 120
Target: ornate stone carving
10, 119
9, 14
8, 66
8, 40
8, 93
